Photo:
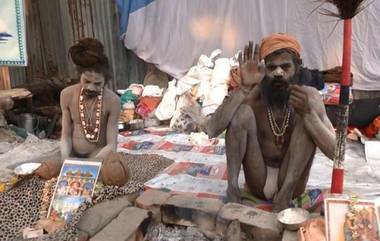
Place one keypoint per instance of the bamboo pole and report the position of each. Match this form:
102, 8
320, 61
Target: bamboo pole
347, 10
343, 110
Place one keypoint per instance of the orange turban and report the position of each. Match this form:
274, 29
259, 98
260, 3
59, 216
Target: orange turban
279, 41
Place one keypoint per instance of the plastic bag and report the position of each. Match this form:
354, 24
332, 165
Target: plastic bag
166, 108
202, 72
152, 90
183, 122
221, 77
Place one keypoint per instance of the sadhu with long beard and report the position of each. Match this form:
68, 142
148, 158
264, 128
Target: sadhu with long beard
90, 114
274, 124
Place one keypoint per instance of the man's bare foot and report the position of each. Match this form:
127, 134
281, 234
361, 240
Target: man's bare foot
233, 194
280, 203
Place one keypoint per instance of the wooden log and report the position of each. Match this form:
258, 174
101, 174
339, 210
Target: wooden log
15, 94
5, 82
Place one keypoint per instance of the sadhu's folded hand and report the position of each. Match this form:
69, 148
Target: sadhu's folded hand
251, 71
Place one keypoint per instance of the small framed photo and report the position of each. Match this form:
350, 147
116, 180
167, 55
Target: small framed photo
75, 185
351, 220
377, 210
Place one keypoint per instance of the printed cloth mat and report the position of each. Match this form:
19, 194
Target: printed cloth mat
198, 170
311, 200
173, 147
197, 179
170, 141
192, 172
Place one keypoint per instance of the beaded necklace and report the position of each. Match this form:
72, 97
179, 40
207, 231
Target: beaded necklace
91, 133
276, 130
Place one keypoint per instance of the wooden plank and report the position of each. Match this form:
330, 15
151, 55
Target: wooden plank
55, 52
18, 93
35, 43
5, 82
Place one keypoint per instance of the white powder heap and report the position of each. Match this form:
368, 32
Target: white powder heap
293, 216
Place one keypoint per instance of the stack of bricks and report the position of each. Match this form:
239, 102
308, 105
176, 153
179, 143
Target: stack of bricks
214, 218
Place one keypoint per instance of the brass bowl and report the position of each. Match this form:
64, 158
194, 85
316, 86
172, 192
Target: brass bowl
292, 218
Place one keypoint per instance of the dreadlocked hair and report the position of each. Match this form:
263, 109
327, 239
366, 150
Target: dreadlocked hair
88, 55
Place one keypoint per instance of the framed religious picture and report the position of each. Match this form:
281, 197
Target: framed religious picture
377, 210
75, 185
351, 220
12, 33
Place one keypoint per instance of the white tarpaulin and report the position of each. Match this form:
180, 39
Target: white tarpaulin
12, 33
173, 33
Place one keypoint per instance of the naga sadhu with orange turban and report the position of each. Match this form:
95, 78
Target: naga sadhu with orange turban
274, 123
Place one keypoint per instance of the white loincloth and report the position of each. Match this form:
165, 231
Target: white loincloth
271, 185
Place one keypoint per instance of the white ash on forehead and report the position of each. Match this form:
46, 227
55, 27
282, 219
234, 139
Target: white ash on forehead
29, 201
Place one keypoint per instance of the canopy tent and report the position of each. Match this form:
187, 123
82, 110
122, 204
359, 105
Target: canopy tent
173, 34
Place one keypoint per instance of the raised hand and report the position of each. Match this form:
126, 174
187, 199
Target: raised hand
251, 72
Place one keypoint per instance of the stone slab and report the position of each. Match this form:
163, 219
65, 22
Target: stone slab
101, 214
289, 236
191, 211
152, 200
260, 224
124, 227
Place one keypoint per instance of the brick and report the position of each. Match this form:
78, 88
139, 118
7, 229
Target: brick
260, 224
152, 197
191, 211
289, 236
133, 196
125, 227
50, 226
82, 236
5, 146
152, 201
233, 231
101, 214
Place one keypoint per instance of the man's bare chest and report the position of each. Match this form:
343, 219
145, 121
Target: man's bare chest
89, 111
273, 141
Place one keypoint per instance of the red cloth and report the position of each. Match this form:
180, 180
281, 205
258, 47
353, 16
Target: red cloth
147, 104
373, 128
